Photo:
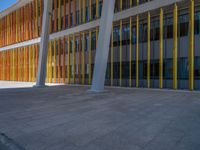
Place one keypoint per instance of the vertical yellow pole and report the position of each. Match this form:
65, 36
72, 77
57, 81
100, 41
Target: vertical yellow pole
64, 60
74, 59
3, 62
47, 66
137, 51
36, 21
10, 67
0, 65
54, 60
161, 50
50, 61
90, 57
13, 65
30, 67
175, 29
130, 51
25, 72
90, 7
121, 5
84, 15
120, 54
1, 73
14, 61
19, 64
191, 46
68, 68
137, 2
33, 63
111, 61
148, 50
83, 58
3, 68
1, 57
3, 65
131, 3
97, 8
59, 59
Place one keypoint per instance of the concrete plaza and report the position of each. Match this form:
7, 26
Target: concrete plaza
71, 118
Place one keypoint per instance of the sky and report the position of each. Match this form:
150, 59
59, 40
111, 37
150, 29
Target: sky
4, 4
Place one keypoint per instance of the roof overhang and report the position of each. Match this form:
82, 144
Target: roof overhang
14, 7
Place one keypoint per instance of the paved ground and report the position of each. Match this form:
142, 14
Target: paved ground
71, 118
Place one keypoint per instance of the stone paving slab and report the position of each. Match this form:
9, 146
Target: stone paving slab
71, 118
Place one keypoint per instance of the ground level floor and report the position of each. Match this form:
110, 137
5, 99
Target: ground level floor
70, 117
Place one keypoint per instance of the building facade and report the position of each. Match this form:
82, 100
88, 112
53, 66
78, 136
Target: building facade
151, 46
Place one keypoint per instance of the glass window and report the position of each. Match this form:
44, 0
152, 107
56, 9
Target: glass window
169, 24
197, 23
197, 68
183, 69
116, 36
156, 30
116, 66
168, 69
125, 34
133, 34
184, 25
86, 42
93, 44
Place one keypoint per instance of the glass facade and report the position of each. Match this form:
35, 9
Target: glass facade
71, 58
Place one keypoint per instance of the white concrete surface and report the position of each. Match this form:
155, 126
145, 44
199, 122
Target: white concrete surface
13, 84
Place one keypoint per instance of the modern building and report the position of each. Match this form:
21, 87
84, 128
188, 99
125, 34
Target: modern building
154, 43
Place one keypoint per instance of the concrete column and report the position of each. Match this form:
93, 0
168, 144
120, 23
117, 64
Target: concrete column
44, 44
103, 45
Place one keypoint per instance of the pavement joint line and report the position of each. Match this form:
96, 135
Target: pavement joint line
155, 89
108, 87
9, 143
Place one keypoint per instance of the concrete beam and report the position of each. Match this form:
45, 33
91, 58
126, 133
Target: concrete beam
103, 45
41, 75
